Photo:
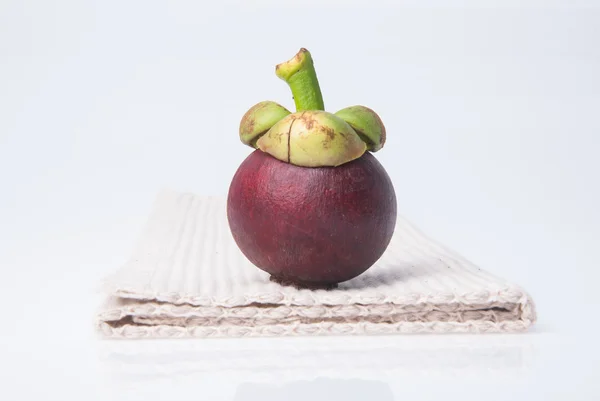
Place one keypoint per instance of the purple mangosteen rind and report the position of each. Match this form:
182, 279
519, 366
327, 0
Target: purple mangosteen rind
314, 227
311, 206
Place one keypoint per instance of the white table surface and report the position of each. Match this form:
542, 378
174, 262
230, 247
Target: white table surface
492, 114
49, 351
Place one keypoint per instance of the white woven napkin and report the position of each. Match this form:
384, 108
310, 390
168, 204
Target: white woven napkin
187, 278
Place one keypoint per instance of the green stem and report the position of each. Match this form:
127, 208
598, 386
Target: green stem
300, 75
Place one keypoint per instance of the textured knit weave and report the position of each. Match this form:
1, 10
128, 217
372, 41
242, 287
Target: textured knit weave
187, 278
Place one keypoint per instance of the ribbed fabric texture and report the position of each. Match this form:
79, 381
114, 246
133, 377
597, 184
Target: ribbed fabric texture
187, 278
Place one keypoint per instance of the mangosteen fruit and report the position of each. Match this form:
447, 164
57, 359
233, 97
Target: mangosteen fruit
311, 205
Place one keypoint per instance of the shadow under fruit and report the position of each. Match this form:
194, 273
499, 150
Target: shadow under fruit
311, 205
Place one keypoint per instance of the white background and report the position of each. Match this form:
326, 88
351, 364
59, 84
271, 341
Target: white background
493, 118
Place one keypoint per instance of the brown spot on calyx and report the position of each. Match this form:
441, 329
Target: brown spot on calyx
309, 121
247, 127
329, 132
250, 122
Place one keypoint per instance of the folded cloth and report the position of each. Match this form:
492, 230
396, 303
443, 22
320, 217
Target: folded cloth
187, 278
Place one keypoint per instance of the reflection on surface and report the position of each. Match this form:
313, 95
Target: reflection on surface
321, 389
309, 368
318, 356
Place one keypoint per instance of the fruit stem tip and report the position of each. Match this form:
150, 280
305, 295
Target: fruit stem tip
299, 73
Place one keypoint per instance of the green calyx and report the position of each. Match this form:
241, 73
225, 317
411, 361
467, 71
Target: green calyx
259, 119
367, 125
311, 137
